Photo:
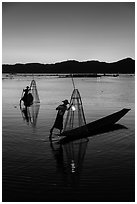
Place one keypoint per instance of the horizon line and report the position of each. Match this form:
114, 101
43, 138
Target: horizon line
66, 61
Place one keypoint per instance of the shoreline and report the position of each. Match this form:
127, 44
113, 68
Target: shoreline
74, 75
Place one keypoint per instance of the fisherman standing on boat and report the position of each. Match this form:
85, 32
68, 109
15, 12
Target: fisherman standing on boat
58, 124
26, 91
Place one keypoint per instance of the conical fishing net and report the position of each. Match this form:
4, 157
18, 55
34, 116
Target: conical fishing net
34, 92
75, 116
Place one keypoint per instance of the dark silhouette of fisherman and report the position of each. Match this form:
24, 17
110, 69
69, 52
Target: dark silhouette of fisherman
58, 124
26, 91
27, 97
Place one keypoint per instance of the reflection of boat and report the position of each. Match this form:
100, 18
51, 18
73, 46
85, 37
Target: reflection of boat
89, 128
30, 114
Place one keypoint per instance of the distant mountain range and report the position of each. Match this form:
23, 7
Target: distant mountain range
125, 66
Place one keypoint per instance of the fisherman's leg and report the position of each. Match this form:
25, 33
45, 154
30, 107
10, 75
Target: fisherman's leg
51, 130
50, 136
60, 131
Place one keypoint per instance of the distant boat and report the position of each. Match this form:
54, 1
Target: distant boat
32, 96
88, 129
28, 101
115, 75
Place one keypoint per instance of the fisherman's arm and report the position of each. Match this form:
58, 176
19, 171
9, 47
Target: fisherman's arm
69, 107
59, 107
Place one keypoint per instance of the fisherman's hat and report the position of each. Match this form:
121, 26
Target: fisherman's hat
65, 101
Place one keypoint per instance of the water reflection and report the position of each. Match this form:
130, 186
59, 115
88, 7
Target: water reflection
69, 159
75, 152
30, 114
69, 153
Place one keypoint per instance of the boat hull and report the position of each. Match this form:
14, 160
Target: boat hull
94, 126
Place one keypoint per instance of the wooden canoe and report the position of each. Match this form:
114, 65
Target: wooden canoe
94, 126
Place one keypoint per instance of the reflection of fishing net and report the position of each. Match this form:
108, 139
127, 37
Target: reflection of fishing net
75, 152
34, 92
26, 114
75, 116
30, 114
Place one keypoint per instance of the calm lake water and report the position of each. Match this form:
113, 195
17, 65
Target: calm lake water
97, 169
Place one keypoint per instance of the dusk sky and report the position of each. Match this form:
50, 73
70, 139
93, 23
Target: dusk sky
58, 31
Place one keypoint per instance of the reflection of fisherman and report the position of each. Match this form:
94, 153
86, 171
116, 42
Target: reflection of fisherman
59, 119
25, 112
58, 153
